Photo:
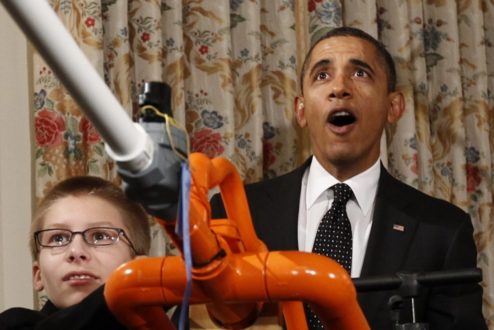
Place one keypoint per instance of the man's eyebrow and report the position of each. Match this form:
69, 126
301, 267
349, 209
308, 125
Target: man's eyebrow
320, 64
361, 64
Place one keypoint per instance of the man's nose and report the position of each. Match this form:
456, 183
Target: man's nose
78, 249
340, 87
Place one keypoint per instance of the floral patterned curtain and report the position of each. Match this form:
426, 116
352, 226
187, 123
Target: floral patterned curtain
233, 69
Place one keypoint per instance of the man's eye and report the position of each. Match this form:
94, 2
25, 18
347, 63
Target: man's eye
361, 73
322, 76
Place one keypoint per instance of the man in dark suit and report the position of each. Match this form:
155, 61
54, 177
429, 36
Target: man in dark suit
347, 97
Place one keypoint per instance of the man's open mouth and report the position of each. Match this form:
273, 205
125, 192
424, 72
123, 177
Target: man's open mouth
342, 118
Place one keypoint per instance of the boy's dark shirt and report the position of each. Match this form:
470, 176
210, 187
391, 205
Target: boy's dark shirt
90, 313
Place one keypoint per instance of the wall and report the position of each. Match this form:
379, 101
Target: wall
15, 168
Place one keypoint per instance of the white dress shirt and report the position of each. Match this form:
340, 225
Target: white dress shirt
316, 199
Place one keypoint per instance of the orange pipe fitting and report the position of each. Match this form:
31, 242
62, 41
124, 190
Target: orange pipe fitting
132, 295
318, 280
206, 174
235, 201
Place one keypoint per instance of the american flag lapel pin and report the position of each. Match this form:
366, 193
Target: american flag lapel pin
398, 227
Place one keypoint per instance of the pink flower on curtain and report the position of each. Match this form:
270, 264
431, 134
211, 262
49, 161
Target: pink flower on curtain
473, 177
312, 4
203, 49
90, 22
145, 36
89, 133
207, 142
49, 126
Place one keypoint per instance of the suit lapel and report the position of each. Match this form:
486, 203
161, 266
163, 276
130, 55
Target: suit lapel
391, 234
280, 222
288, 214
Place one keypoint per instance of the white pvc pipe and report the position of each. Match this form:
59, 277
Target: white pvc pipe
127, 143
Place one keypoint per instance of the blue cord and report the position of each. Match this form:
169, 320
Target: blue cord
183, 231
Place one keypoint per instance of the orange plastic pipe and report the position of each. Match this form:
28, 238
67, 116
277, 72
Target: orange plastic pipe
233, 195
269, 276
207, 173
131, 294
318, 280
235, 282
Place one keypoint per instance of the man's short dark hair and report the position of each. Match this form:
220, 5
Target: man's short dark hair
346, 31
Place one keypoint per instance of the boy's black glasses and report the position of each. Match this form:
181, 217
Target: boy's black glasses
95, 236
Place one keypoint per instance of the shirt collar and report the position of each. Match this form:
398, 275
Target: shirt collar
364, 185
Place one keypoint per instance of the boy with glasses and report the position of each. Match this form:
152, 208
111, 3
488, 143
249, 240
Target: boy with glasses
82, 230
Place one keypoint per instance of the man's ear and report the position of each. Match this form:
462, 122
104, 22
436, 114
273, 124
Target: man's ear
300, 111
397, 106
37, 282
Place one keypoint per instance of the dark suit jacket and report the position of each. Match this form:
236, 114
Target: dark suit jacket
436, 236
